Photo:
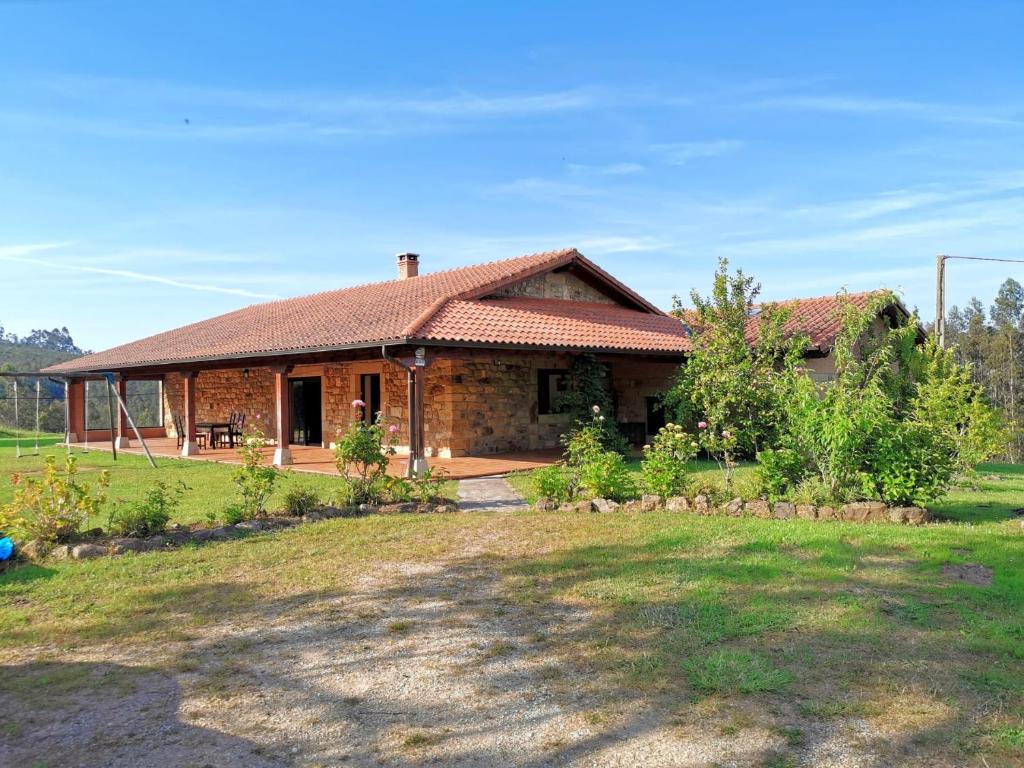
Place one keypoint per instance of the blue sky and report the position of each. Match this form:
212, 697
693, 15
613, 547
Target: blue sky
160, 163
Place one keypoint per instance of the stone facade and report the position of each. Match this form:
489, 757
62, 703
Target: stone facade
476, 402
556, 285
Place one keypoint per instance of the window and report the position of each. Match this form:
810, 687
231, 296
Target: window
144, 399
551, 383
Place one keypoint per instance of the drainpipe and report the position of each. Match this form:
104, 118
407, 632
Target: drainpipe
415, 446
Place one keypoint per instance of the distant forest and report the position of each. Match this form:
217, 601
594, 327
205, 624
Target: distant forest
992, 340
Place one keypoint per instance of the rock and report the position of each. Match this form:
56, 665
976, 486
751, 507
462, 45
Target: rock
649, 502
758, 508
545, 504
865, 511
632, 507
445, 509
88, 551
33, 550
582, 507
734, 508
917, 515
178, 537
828, 513
156, 542
60, 552
223, 532
203, 534
678, 504
701, 505
603, 505
249, 525
783, 510
92, 533
570, 507
176, 527
807, 511
367, 509
126, 544
403, 508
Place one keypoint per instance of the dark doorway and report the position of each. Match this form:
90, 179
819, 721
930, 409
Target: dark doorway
369, 393
304, 402
655, 415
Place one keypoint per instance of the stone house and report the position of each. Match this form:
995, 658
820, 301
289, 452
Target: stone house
463, 362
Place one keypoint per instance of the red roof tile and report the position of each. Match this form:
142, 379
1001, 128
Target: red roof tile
359, 316
555, 323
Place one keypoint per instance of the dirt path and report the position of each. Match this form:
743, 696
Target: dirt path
416, 664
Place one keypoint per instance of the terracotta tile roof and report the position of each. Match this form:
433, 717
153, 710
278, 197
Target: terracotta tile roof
820, 317
555, 323
358, 316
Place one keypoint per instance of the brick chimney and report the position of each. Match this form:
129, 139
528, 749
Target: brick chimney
408, 265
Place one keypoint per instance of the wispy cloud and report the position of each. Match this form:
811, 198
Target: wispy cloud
546, 190
858, 105
21, 254
683, 152
611, 169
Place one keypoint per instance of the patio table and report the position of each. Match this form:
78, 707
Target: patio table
213, 426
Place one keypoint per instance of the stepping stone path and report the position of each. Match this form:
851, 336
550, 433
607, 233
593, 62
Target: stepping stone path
490, 493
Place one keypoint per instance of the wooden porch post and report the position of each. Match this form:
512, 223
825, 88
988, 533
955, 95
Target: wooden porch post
189, 446
75, 393
282, 453
122, 420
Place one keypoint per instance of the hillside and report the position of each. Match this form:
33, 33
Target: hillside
26, 358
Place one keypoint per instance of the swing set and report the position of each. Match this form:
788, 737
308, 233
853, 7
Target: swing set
113, 396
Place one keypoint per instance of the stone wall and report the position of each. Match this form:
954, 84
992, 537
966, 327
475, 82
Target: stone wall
634, 382
219, 392
556, 285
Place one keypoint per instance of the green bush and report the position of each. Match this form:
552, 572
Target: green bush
663, 469
606, 476
255, 480
779, 471
53, 509
553, 483
149, 516
300, 501
361, 456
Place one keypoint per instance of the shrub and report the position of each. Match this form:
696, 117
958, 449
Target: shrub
56, 507
361, 456
254, 480
234, 513
664, 468
300, 501
588, 387
553, 483
779, 470
593, 471
149, 516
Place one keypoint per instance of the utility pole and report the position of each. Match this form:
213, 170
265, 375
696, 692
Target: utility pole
940, 299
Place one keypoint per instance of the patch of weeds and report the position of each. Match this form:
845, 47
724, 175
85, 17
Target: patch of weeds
399, 627
419, 739
1010, 737
794, 736
833, 709
728, 671
595, 717
537, 637
779, 760
500, 648
913, 612
550, 672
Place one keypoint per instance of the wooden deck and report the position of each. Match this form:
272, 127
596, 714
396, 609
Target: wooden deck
321, 460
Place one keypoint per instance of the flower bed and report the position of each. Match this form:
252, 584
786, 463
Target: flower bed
857, 512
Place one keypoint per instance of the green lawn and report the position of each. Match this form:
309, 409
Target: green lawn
210, 485
730, 621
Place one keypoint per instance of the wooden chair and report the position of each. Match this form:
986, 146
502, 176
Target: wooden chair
179, 429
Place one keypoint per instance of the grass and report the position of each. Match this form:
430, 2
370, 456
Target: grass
210, 485
825, 622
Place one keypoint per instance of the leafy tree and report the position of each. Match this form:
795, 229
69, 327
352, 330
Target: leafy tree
589, 387
730, 390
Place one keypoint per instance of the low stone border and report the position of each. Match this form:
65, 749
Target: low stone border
858, 512
176, 536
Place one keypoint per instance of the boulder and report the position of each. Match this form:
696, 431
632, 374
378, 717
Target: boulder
60, 552
649, 502
783, 510
702, 505
178, 537
568, 506
807, 511
367, 509
865, 511
223, 532
678, 504
545, 504
126, 544
759, 508
734, 508
88, 551
582, 507
908, 515
603, 505
633, 506
445, 509
33, 550
201, 535
828, 513
156, 542
249, 525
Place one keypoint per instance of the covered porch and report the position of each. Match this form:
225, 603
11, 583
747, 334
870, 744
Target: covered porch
308, 458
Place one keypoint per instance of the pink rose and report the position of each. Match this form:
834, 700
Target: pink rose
393, 428
727, 434
702, 425
358, 404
